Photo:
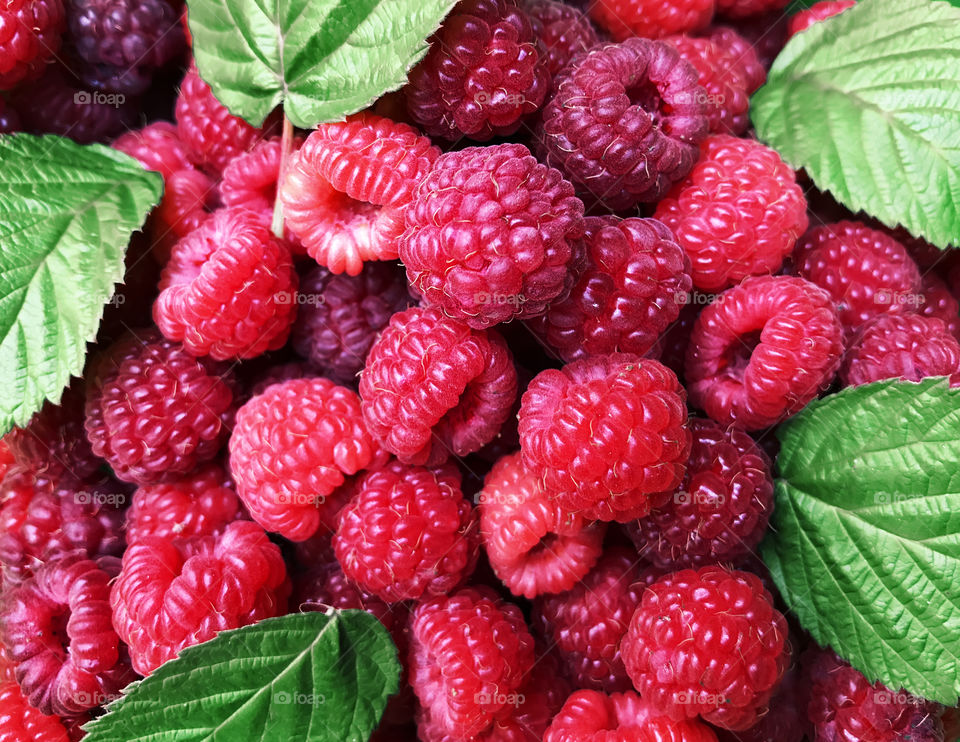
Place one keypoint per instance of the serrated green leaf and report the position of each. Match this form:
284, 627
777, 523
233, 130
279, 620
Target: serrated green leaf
869, 103
321, 59
865, 537
303, 677
66, 215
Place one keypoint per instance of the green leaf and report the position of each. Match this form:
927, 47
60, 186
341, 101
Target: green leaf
66, 215
865, 537
869, 103
321, 59
306, 676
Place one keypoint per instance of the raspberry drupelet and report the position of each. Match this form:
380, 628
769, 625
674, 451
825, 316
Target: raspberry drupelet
817, 12
652, 19
938, 302
30, 37
563, 31
19, 721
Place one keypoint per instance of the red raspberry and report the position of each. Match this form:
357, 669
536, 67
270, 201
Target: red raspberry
636, 280
784, 722
606, 435
155, 412
625, 122
742, 50
738, 213
188, 198
157, 147
815, 13
408, 533
762, 350
174, 594
30, 34
484, 73
57, 628
19, 721
940, 303
200, 504
747, 8
865, 271
744, 643
291, 448
491, 235
652, 19
339, 317
562, 30
346, 189
591, 716
469, 653
721, 510
229, 289
533, 546
433, 386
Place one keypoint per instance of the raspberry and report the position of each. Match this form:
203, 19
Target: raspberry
742, 639
154, 412
346, 188
57, 628
651, 18
865, 271
747, 8
817, 12
738, 213
189, 196
636, 280
9, 123
762, 350
625, 122
606, 435
743, 51
721, 510
484, 73
433, 386
563, 31
766, 34
30, 34
940, 303
19, 721
229, 289
533, 546
157, 147
784, 722
291, 447
491, 235
339, 316
469, 653
591, 716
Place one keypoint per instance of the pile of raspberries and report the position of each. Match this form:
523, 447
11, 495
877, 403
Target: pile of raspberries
506, 381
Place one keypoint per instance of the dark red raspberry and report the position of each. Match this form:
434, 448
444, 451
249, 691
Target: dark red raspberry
484, 73
189, 196
19, 721
636, 281
339, 317
562, 30
762, 350
865, 271
940, 303
817, 12
651, 18
9, 123
469, 655
155, 412
784, 722
157, 147
533, 546
433, 386
291, 448
744, 643
607, 435
625, 122
346, 188
57, 628
747, 8
30, 35
491, 235
721, 510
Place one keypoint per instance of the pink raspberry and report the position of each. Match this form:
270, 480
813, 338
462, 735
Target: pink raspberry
563, 31
762, 350
189, 196
817, 12
744, 51
652, 19
157, 147
938, 302
30, 35
492, 235
433, 386
747, 8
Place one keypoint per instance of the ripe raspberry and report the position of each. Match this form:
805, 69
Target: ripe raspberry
469, 653
815, 13
157, 146
346, 189
339, 316
744, 51
154, 412
762, 350
433, 386
533, 546
742, 638
636, 280
650, 18
721, 510
747, 8
562, 30
57, 628
607, 435
940, 303
30, 34
625, 122
189, 196
19, 721
484, 73
9, 123
174, 594
865, 271
229, 289
491, 235
290, 449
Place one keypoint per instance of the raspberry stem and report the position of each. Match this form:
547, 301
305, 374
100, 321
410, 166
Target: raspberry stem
286, 146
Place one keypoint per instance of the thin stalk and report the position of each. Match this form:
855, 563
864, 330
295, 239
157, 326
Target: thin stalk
286, 147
